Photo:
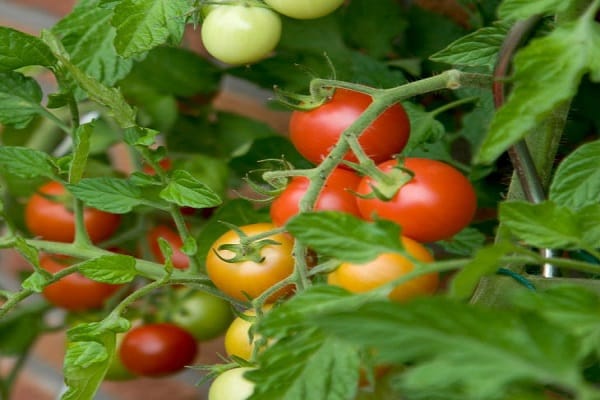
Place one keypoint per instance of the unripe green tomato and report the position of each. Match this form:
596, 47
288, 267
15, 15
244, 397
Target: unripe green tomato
238, 34
203, 315
116, 370
305, 9
231, 385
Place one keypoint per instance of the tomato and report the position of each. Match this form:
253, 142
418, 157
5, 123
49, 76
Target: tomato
359, 278
434, 205
238, 341
157, 349
337, 194
203, 315
179, 258
314, 133
74, 292
251, 277
231, 385
305, 9
240, 34
51, 219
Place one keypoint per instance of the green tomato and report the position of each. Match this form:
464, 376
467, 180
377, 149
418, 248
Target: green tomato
238, 34
305, 9
116, 370
203, 315
231, 385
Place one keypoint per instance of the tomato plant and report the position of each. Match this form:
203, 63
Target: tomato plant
74, 292
336, 194
240, 34
358, 278
202, 314
231, 385
245, 270
436, 203
179, 258
48, 215
306, 9
157, 349
315, 132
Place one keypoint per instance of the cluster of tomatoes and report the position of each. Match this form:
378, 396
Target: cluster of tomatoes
245, 31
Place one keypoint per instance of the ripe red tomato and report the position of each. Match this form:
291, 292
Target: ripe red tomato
249, 277
180, 259
51, 219
157, 349
315, 132
337, 194
74, 292
434, 205
359, 278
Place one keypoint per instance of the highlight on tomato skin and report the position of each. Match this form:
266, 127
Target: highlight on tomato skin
314, 133
48, 216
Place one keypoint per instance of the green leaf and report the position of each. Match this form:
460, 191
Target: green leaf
20, 98
88, 36
36, 282
109, 97
543, 225
112, 195
477, 49
576, 182
523, 9
114, 269
18, 49
20, 329
456, 346
144, 24
81, 149
184, 190
547, 73
344, 236
465, 242
589, 221
24, 162
424, 128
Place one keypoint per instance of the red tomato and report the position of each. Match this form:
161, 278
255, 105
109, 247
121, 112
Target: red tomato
51, 219
157, 349
180, 259
315, 132
74, 292
359, 278
434, 205
337, 194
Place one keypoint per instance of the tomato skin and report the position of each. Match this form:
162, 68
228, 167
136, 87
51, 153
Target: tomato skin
239, 34
231, 385
237, 339
314, 133
74, 292
179, 258
337, 194
436, 204
305, 9
250, 277
359, 278
157, 349
51, 220
202, 314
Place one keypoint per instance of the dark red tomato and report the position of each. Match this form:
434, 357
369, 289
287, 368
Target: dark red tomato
157, 349
434, 205
180, 259
74, 292
315, 132
50, 219
337, 195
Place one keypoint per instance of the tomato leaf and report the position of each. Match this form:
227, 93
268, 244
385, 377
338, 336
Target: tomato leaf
523, 9
465, 242
477, 49
18, 49
456, 346
184, 189
88, 36
21, 328
144, 24
576, 182
20, 98
344, 236
114, 269
113, 195
81, 150
24, 162
562, 58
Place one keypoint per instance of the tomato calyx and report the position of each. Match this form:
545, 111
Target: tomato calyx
303, 102
249, 248
385, 185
